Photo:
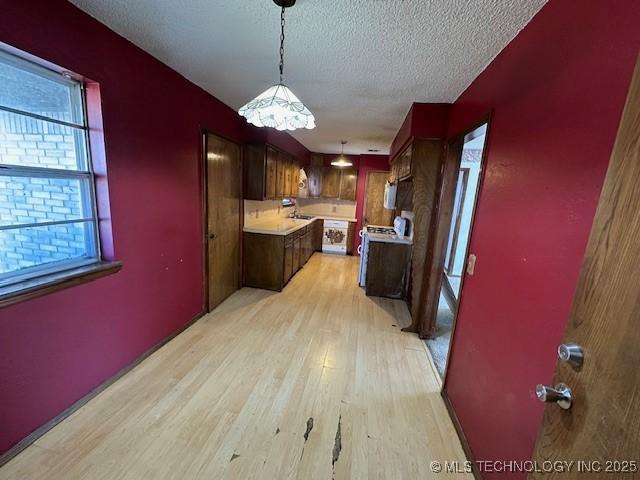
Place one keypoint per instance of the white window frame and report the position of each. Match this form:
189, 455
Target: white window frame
86, 177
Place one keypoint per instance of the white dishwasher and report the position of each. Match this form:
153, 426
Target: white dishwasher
334, 237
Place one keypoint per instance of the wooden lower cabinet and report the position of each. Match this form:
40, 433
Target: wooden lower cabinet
270, 261
351, 232
288, 260
297, 246
318, 232
387, 269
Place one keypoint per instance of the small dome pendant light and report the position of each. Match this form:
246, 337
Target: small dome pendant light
342, 161
278, 107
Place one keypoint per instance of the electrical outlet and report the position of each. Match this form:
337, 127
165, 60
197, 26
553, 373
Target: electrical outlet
334, 209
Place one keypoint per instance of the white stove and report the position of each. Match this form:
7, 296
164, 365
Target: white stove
380, 233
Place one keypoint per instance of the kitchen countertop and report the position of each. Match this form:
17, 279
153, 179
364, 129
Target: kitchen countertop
332, 217
278, 226
285, 226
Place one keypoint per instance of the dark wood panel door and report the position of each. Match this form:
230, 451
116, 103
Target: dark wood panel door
374, 211
281, 175
288, 174
603, 424
224, 197
330, 182
387, 265
295, 184
314, 181
318, 232
297, 251
271, 166
348, 181
288, 261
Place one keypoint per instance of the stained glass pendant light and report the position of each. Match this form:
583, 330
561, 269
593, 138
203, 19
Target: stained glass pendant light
342, 161
278, 107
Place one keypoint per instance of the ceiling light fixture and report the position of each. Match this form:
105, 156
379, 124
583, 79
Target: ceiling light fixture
277, 107
342, 161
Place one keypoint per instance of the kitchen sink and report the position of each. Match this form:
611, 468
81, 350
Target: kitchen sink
303, 217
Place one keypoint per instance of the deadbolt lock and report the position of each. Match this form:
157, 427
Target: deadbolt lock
571, 353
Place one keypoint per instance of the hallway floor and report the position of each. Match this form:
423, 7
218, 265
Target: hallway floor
315, 382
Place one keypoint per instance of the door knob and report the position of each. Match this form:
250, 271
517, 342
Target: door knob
212, 236
571, 353
561, 394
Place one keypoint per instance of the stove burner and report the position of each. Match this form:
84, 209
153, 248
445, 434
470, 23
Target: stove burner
383, 230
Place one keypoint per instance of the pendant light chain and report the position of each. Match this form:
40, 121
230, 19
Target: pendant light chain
278, 107
282, 43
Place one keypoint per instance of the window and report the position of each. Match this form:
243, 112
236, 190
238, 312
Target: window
47, 209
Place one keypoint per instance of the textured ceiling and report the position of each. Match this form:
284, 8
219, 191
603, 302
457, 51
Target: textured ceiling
357, 64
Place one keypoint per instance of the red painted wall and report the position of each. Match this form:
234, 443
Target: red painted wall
366, 164
55, 349
557, 93
424, 120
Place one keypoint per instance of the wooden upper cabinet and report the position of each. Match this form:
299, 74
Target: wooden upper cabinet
254, 172
404, 161
288, 174
314, 181
348, 181
330, 187
268, 173
281, 176
271, 173
296, 179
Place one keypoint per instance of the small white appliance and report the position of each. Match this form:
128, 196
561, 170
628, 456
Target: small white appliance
401, 226
390, 195
334, 237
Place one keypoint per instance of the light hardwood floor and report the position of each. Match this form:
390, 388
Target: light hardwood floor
233, 396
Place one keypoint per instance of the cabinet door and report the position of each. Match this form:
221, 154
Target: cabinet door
314, 181
348, 180
404, 167
281, 175
310, 245
254, 172
404, 196
296, 253
387, 265
287, 176
271, 166
296, 179
351, 232
330, 182
288, 261
318, 231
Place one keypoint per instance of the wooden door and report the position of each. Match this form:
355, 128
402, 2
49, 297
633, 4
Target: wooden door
224, 197
271, 167
374, 211
348, 180
604, 422
330, 182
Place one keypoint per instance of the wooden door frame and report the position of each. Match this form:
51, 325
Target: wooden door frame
205, 212
364, 197
483, 163
440, 228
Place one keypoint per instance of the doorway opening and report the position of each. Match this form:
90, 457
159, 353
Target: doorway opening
455, 260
